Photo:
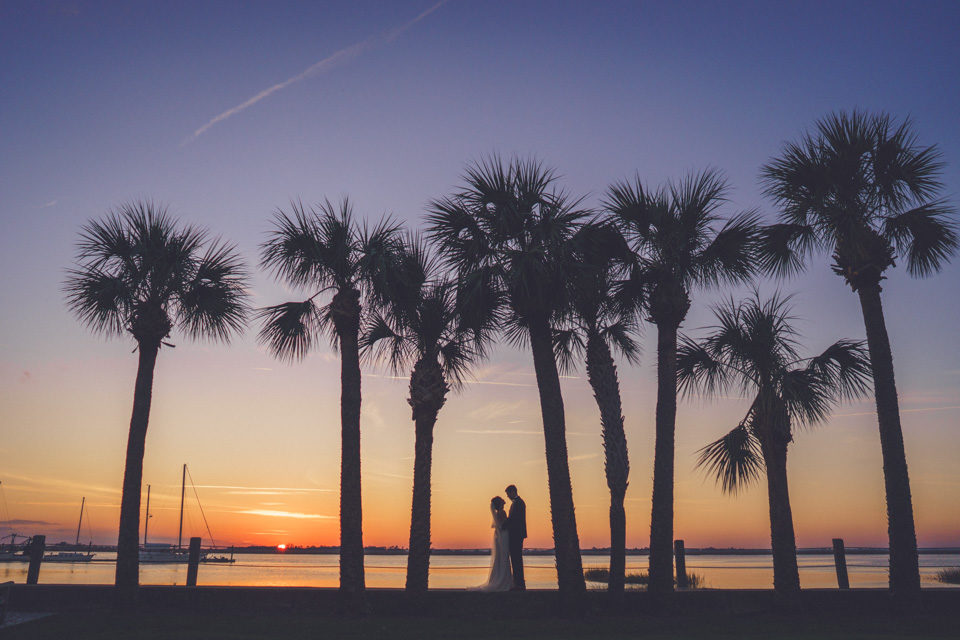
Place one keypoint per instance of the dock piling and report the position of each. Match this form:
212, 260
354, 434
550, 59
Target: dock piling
193, 561
840, 560
37, 546
680, 557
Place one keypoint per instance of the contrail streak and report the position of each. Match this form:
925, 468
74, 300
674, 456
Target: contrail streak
333, 60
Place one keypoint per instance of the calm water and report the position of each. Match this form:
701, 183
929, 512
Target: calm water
719, 571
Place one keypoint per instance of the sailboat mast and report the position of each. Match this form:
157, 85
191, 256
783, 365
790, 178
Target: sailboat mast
83, 501
183, 488
146, 521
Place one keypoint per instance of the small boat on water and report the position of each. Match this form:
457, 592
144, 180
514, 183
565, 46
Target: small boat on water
73, 556
159, 553
12, 551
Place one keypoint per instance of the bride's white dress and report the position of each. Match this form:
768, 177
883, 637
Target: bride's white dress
501, 578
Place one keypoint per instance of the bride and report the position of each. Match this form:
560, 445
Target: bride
501, 579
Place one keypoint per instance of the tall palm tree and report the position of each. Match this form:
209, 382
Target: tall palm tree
863, 189
510, 226
680, 243
141, 273
325, 249
422, 325
753, 349
599, 320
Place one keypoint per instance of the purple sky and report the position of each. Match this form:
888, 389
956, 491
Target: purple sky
102, 102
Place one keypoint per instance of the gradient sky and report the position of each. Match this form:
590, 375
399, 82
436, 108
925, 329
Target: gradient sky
105, 102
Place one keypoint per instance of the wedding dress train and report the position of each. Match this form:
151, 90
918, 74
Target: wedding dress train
501, 578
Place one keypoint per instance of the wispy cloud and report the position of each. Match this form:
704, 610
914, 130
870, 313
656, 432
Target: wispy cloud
259, 491
47, 205
24, 523
919, 410
35, 484
271, 513
501, 432
330, 62
585, 456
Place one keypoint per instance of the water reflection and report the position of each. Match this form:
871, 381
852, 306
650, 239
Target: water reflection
457, 572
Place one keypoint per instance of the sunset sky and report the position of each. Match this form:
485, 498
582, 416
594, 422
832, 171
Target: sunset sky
225, 111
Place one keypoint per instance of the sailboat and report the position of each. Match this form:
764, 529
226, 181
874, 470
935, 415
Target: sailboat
73, 556
159, 553
13, 551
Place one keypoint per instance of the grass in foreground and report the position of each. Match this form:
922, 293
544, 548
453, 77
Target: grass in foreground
951, 575
192, 626
695, 580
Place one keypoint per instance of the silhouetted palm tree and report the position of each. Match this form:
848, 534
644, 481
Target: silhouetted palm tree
139, 272
753, 350
600, 320
421, 324
679, 244
861, 188
510, 226
325, 249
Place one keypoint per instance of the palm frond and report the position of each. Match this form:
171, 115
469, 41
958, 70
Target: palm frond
620, 336
380, 247
926, 235
807, 396
289, 329
457, 355
782, 249
568, 345
698, 370
730, 257
213, 303
696, 197
100, 300
380, 341
844, 368
735, 460
295, 249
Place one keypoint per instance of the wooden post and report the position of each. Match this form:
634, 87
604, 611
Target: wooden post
840, 560
37, 546
680, 558
193, 561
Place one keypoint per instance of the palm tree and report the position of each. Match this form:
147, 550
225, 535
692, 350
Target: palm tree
421, 324
324, 249
863, 189
600, 320
511, 227
753, 349
679, 243
140, 272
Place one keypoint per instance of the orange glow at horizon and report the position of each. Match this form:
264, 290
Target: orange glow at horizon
256, 488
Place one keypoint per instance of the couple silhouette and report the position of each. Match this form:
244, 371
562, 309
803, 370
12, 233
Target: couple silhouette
506, 554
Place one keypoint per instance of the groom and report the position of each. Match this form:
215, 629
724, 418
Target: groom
517, 526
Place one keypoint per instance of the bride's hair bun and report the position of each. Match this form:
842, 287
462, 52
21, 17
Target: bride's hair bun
497, 502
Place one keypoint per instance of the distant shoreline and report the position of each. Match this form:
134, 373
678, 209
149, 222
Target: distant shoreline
398, 551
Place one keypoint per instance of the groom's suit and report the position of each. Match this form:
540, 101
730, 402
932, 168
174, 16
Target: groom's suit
517, 526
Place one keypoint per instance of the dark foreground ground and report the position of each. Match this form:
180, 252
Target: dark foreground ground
236, 626
83, 612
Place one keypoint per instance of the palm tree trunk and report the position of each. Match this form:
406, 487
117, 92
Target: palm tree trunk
602, 374
661, 516
428, 393
904, 565
786, 578
418, 560
127, 575
345, 309
562, 516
